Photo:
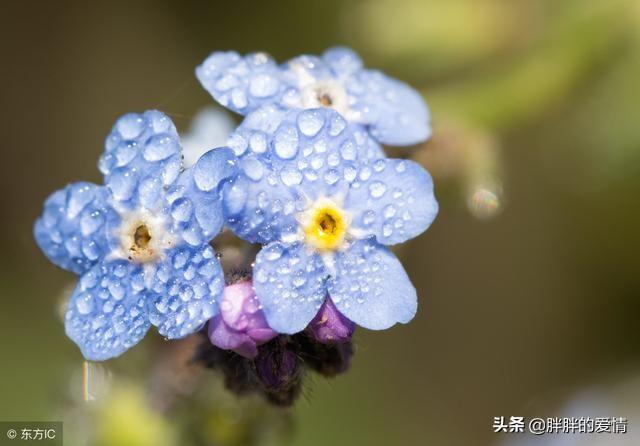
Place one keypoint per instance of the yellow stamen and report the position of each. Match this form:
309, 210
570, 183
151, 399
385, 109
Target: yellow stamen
326, 229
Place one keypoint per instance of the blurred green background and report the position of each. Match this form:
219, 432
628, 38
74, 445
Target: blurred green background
529, 280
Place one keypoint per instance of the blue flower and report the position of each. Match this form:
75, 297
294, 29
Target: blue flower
324, 212
141, 242
390, 110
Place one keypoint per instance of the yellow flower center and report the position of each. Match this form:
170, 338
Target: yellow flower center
326, 228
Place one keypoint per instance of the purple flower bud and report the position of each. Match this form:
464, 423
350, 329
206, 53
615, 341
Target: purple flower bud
279, 369
330, 326
240, 326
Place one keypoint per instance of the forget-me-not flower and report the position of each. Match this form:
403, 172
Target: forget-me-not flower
393, 112
324, 212
140, 243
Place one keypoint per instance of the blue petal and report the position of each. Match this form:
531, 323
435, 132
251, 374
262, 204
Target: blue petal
286, 164
392, 199
395, 113
142, 155
72, 229
240, 83
261, 211
213, 167
289, 281
195, 201
371, 288
343, 61
186, 287
107, 312
305, 69
369, 147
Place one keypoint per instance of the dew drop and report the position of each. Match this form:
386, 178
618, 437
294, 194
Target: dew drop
160, 147
379, 165
239, 98
365, 173
290, 176
368, 218
273, 254
253, 168
387, 230
122, 185
258, 142
348, 150
286, 142
89, 223
78, 199
130, 126
332, 177
84, 303
310, 122
181, 209
263, 85
389, 211
377, 189
237, 143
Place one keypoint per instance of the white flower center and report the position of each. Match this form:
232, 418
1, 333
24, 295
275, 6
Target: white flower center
143, 237
326, 93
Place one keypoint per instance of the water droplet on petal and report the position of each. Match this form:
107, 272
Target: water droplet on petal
379, 165
310, 122
349, 150
389, 211
160, 147
84, 303
377, 189
368, 218
130, 126
237, 143
253, 168
273, 253
350, 173
365, 173
290, 176
263, 85
331, 177
401, 166
181, 209
258, 142
387, 230
122, 185
286, 142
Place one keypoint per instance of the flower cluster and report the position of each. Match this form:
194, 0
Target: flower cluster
304, 176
